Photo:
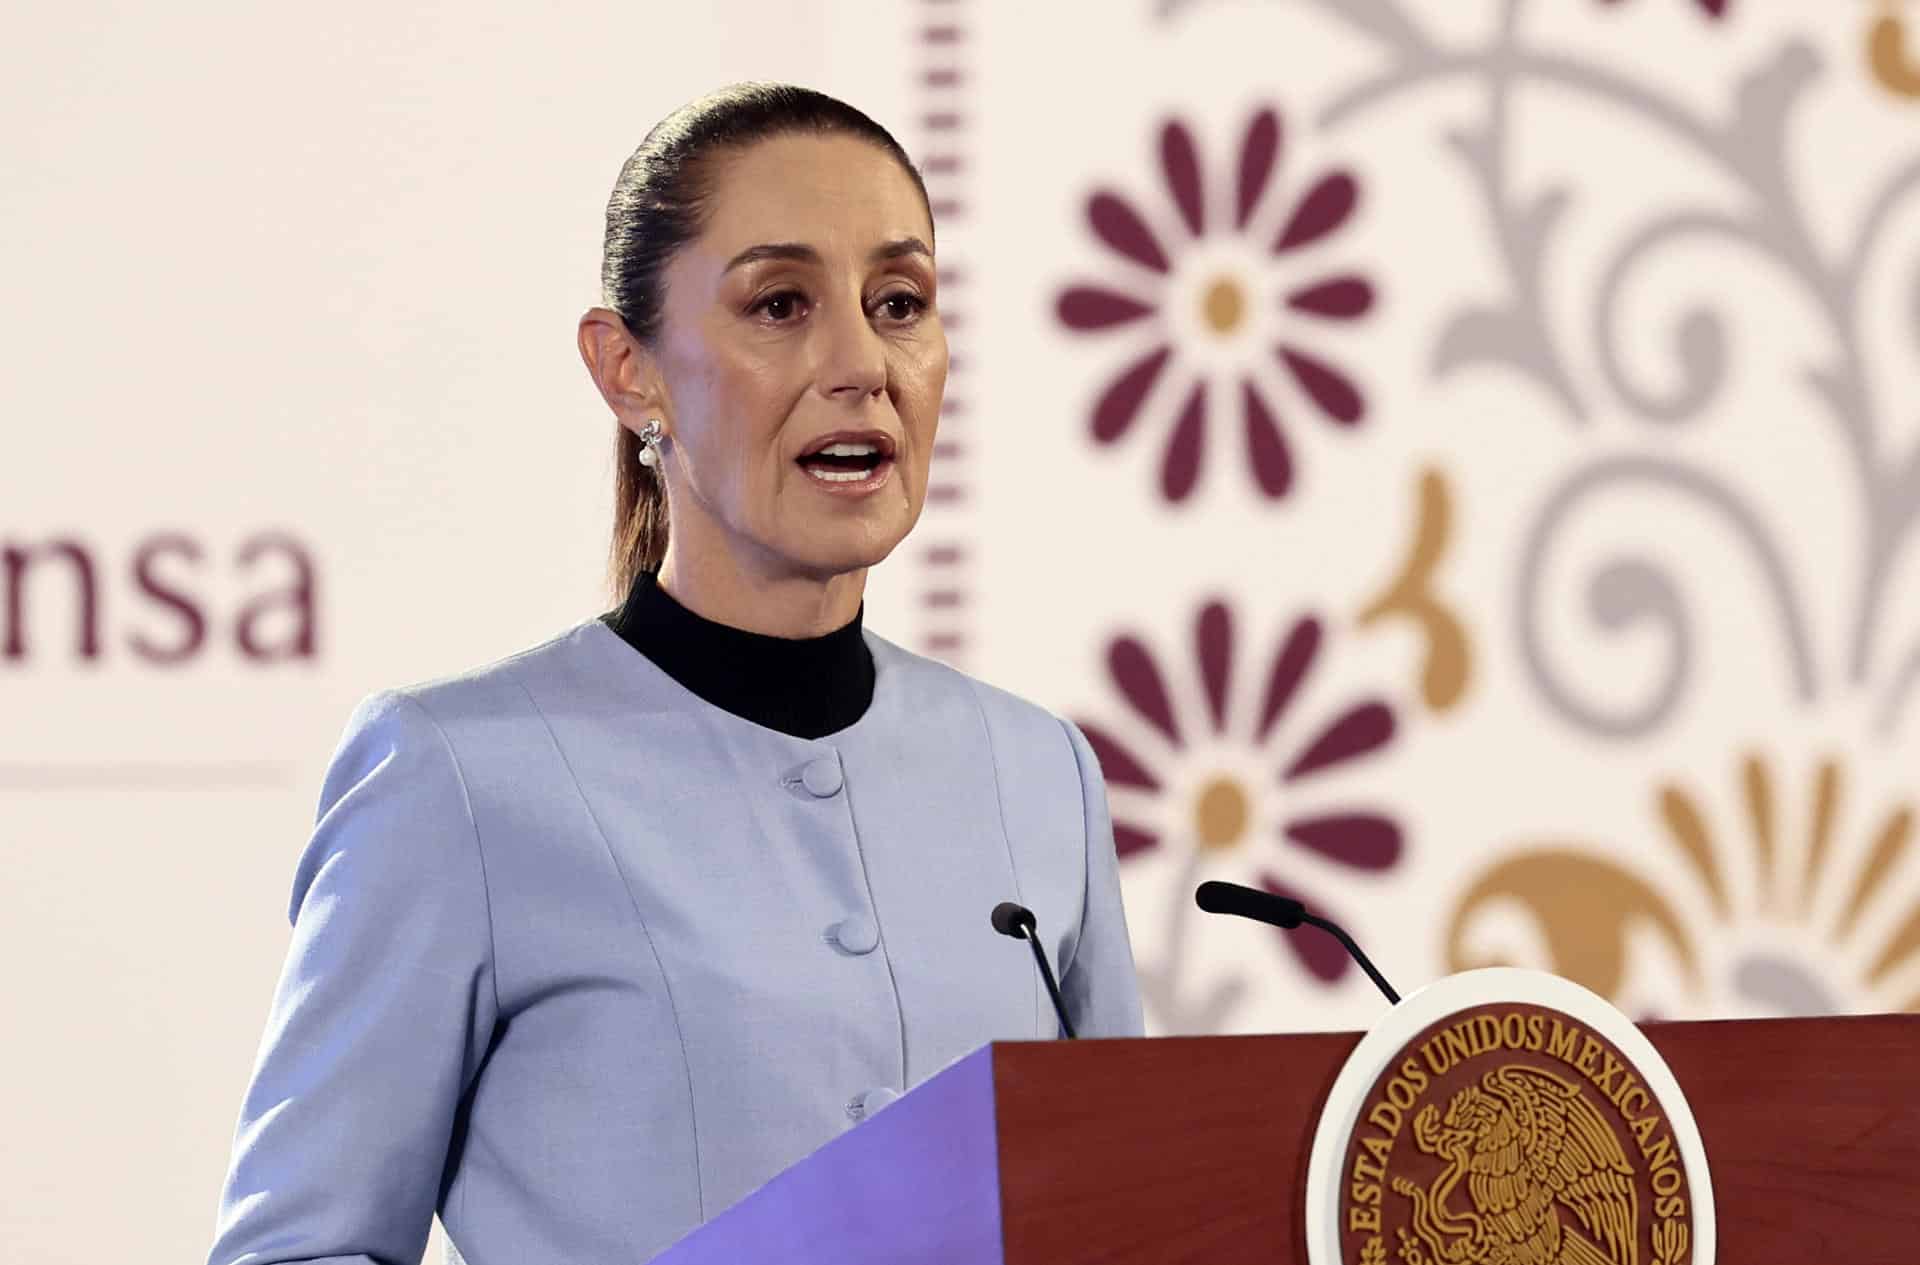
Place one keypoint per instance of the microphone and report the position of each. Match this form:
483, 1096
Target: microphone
1017, 921
1282, 912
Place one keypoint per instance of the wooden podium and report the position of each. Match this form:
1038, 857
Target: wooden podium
1195, 1149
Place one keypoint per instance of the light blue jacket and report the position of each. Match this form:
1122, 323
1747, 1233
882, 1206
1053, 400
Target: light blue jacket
579, 960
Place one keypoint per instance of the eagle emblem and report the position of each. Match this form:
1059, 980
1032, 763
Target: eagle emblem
1547, 1178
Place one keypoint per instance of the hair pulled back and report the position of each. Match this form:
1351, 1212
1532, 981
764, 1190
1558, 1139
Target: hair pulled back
658, 205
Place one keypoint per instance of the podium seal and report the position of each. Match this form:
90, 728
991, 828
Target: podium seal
1504, 1116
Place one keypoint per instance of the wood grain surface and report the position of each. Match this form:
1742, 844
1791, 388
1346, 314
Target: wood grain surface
1195, 1149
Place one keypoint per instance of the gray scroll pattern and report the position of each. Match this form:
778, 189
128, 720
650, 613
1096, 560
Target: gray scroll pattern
1747, 146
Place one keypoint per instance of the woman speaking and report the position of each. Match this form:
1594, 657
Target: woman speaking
590, 942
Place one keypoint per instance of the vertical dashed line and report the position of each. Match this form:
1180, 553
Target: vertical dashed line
944, 543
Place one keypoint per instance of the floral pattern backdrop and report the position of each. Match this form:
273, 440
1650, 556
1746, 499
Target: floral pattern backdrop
1459, 465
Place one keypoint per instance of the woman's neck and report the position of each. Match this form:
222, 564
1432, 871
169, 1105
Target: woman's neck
807, 687
715, 585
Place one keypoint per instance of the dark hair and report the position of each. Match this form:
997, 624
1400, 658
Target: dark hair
658, 205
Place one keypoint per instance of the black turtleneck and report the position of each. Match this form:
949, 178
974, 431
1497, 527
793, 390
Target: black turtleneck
808, 687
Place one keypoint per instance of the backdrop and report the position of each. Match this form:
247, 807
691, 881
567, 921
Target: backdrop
1458, 461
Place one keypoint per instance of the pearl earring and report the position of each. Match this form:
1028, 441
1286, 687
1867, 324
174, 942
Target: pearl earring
650, 443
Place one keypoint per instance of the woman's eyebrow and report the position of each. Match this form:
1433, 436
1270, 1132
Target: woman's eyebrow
895, 250
807, 254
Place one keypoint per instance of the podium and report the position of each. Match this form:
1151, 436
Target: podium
1153, 1152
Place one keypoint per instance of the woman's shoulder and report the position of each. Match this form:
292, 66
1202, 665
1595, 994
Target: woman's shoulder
1009, 717
496, 690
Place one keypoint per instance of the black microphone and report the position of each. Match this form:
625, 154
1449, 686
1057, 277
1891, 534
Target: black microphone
1017, 921
1282, 912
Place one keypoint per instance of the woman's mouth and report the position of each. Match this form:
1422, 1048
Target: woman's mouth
849, 465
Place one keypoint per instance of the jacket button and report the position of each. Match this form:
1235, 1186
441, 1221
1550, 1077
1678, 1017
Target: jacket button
856, 934
822, 777
864, 1105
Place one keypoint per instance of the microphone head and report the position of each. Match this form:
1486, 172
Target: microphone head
1247, 902
1013, 920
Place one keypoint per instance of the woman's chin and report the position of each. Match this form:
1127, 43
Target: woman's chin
839, 543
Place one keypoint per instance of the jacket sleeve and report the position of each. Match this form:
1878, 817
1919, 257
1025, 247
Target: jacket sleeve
384, 1009
1099, 986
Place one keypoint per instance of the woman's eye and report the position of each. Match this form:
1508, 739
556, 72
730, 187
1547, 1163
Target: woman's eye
782, 305
902, 305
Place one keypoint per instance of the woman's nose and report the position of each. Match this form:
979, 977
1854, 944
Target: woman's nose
854, 358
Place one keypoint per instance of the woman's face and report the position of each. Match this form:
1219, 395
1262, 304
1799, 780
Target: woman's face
802, 360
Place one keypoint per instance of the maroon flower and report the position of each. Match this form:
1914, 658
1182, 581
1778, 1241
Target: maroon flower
1219, 782
1197, 295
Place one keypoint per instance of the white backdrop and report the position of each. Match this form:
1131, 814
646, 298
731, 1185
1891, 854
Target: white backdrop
313, 278
314, 273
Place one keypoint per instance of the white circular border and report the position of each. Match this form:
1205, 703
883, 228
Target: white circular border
1490, 986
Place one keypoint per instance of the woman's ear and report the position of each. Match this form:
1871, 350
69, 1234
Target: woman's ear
626, 372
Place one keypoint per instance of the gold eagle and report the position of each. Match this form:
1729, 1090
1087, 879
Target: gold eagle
1527, 1143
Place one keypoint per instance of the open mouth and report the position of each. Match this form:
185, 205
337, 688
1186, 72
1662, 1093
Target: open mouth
849, 460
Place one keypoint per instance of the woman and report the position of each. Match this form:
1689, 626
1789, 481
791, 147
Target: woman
591, 942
